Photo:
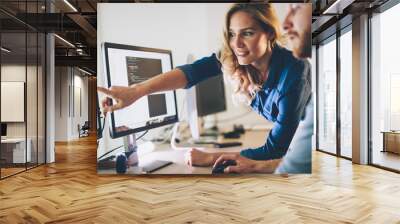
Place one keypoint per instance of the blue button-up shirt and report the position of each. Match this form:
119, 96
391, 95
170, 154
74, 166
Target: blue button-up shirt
281, 100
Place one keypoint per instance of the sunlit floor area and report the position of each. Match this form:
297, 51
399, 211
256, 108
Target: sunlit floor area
387, 159
70, 191
8, 171
12, 169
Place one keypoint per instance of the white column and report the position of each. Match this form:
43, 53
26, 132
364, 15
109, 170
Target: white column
360, 90
50, 94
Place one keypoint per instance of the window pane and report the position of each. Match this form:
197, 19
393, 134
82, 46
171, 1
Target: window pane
385, 89
327, 97
41, 98
346, 94
31, 97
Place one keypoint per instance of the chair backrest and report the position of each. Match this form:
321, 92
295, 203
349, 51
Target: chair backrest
86, 125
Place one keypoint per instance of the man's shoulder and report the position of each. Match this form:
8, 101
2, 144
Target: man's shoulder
292, 69
286, 56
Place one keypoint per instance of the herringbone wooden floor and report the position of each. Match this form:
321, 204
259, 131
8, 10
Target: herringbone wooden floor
70, 191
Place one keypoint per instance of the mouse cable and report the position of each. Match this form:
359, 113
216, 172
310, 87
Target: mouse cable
121, 146
110, 152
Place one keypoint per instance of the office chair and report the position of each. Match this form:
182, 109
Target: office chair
84, 130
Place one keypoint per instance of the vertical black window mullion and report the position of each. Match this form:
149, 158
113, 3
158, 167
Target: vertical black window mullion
37, 89
369, 100
26, 86
0, 96
338, 74
316, 97
73, 91
45, 87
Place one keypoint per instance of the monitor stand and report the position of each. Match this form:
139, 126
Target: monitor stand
210, 132
129, 159
209, 127
131, 149
132, 159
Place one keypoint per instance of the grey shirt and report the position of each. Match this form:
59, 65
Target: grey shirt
298, 157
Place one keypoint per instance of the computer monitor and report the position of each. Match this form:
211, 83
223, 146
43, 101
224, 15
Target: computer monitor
210, 96
99, 120
126, 65
3, 130
207, 98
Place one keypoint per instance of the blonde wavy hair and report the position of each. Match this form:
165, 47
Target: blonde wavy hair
246, 79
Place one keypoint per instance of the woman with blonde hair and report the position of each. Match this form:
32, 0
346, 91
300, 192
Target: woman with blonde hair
269, 79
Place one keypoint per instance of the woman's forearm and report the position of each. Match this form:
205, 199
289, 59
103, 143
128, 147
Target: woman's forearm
174, 79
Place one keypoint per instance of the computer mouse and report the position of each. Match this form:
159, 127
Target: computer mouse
218, 169
120, 165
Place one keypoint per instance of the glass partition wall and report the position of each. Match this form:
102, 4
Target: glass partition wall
13, 85
327, 95
334, 127
334, 86
385, 90
22, 77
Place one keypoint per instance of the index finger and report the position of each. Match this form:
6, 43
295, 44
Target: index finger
107, 101
105, 91
224, 157
232, 169
106, 104
116, 106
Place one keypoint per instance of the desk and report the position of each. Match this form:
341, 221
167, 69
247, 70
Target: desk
391, 141
250, 139
13, 150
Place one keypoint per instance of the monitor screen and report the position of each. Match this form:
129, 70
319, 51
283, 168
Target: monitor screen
3, 129
210, 96
128, 65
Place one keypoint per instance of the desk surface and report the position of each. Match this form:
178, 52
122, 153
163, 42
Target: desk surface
390, 132
250, 139
13, 140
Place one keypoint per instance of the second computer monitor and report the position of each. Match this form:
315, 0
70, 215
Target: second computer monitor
210, 96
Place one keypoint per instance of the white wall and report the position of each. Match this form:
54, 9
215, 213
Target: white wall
185, 29
61, 103
16, 73
80, 82
67, 81
12, 73
34, 123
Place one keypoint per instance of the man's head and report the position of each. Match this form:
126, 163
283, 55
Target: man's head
297, 25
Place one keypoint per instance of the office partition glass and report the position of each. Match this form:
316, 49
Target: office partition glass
13, 87
346, 93
327, 96
31, 98
41, 109
22, 62
32, 85
385, 89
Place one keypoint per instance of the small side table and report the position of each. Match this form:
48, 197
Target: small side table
391, 141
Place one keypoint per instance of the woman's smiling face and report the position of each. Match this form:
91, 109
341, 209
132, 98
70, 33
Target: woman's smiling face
247, 39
